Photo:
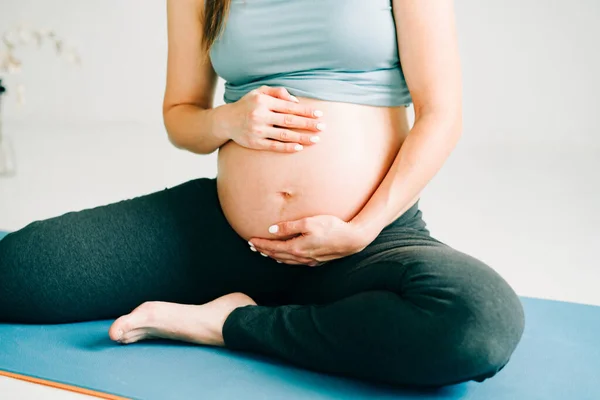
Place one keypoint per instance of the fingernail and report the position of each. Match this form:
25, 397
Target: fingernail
315, 139
250, 243
320, 126
318, 113
264, 255
279, 261
273, 229
294, 98
298, 147
252, 248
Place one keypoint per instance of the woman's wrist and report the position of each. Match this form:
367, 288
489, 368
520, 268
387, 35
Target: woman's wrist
220, 118
196, 129
366, 230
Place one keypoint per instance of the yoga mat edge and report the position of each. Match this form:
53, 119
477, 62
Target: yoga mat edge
61, 385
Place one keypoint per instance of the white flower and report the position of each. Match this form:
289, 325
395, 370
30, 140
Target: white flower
22, 36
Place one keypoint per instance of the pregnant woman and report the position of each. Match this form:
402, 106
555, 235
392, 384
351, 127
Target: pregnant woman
309, 245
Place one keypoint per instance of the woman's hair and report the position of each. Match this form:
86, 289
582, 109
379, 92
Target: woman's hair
215, 13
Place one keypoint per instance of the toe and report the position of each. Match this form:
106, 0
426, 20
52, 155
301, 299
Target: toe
135, 336
116, 330
140, 317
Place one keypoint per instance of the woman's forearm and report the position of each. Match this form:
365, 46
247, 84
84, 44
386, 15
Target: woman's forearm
428, 145
195, 129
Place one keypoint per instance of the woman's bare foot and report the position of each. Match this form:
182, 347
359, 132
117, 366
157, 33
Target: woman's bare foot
202, 324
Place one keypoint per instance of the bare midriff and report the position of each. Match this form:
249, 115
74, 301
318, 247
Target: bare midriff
336, 176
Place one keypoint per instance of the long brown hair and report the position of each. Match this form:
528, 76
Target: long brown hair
215, 14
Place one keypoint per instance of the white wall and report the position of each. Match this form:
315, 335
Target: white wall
123, 48
531, 69
123, 45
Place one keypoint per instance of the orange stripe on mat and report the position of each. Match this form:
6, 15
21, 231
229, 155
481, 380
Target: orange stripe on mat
63, 386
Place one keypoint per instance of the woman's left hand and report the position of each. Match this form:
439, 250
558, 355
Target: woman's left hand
311, 241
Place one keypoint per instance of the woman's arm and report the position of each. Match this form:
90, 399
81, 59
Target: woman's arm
429, 54
188, 112
262, 120
428, 48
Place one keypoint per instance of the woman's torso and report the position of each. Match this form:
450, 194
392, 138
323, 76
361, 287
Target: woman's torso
338, 56
336, 176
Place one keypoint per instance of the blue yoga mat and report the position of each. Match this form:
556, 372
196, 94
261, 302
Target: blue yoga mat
557, 359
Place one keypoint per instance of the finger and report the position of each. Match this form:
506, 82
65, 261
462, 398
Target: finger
285, 249
289, 259
288, 228
278, 147
287, 107
286, 135
278, 92
260, 251
291, 262
295, 122
273, 246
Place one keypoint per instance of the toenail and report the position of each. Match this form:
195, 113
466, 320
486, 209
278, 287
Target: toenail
119, 334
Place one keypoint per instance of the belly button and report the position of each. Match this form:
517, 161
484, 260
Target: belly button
285, 195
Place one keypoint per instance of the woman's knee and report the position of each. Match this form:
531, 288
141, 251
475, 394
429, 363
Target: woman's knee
23, 250
455, 348
491, 318
13, 271
479, 317
31, 274
15, 249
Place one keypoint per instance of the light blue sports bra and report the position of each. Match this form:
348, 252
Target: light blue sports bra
336, 50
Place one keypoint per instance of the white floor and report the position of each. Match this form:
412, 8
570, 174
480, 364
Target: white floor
530, 210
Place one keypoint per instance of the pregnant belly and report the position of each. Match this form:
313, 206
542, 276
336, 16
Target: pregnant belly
337, 176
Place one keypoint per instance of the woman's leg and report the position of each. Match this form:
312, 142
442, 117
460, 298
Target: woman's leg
408, 310
174, 245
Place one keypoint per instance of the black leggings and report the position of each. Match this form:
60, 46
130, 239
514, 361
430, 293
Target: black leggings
407, 310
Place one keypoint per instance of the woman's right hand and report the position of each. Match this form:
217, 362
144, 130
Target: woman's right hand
264, 118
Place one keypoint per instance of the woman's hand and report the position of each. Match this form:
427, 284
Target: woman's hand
264, 117
312, 241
